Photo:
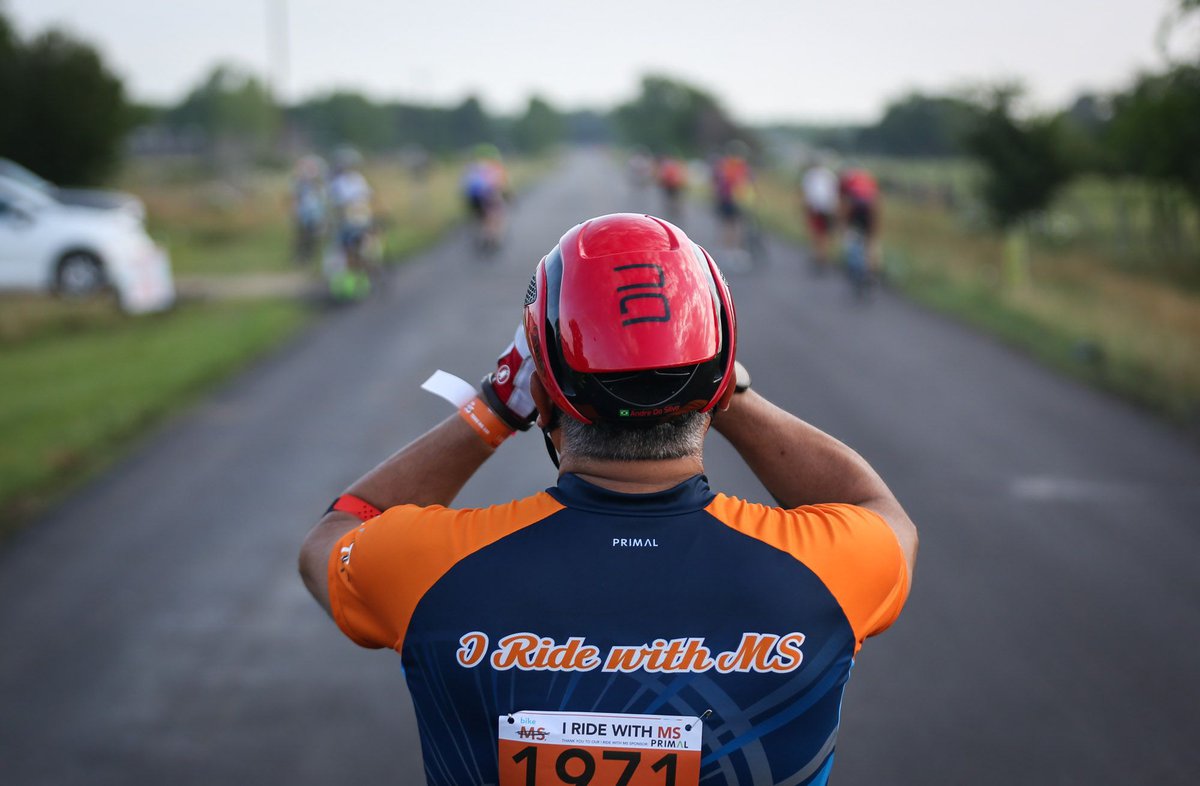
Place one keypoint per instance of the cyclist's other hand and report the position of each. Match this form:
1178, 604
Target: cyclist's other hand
506, 390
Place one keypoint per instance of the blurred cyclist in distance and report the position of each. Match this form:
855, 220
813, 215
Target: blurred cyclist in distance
641, 170
308, 207
671, 175
859, 208
819, 190
353, 214
733, 190
485, 190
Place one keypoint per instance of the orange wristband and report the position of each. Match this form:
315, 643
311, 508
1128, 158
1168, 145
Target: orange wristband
479, 416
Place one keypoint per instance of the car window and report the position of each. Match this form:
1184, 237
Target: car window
22, 196
14, 171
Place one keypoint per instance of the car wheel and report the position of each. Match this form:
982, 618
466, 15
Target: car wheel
79, 273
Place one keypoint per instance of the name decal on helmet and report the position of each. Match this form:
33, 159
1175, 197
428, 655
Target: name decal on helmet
665, 316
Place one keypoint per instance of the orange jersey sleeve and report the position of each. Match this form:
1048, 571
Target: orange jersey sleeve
851, 549
379, 571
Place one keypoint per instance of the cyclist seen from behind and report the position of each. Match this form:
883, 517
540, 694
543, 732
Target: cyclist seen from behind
485, 191
308, 208
819, 190
859, 207
672, 176
733, 192
352, 200
628, 624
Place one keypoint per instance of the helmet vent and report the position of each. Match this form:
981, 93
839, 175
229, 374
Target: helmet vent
531, 292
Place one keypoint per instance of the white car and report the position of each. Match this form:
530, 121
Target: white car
48, 245
82, 197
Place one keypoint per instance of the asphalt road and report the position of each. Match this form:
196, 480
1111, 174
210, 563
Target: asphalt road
154, 630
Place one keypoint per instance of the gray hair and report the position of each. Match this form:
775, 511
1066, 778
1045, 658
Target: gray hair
677, 438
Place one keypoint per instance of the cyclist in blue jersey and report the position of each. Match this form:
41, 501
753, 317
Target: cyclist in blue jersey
485, 190
629, 624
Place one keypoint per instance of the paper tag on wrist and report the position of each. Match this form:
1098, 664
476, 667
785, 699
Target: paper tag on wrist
445, 385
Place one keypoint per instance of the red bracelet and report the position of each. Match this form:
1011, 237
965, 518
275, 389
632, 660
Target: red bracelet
358, 508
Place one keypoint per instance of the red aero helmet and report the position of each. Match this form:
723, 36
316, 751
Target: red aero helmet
631, 322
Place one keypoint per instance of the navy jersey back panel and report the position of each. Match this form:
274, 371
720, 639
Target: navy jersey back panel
562, 577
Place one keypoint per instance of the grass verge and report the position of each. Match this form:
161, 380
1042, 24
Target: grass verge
75, 397
83, 380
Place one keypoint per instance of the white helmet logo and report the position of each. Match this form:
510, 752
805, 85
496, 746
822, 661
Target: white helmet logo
502, 374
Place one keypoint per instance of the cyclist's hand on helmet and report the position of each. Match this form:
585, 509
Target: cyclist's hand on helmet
506, 390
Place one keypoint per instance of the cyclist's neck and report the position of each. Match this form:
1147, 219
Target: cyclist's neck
634, 477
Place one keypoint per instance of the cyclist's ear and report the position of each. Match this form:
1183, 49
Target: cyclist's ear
541, 399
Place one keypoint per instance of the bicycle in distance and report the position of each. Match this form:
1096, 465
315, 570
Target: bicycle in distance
859, 207
486, 194
354, 260
742, 238
672, 177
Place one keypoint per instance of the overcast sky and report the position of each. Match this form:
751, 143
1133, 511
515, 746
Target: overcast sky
765, 59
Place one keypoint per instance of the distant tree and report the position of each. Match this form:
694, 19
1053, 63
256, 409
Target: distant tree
469, 124
229, 106
669, 115
345, 117
64, 113
1155, 129
424, 126
1084, 126
1182, 12
540, 128
143, 114
920, 125
10, 58
587, 126
1024, 162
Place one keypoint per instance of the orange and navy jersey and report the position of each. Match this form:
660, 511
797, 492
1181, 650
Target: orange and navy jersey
731, 177
581, 599
672, 174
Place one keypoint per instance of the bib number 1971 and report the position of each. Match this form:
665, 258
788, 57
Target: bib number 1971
597, 749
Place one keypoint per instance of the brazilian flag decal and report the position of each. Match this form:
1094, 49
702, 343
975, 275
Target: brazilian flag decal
623, 413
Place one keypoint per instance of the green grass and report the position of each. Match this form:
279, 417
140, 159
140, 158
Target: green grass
75, 396
254, 250
82, 380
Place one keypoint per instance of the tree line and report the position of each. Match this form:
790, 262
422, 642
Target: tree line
666, 116
233, 107
1149, 131
63, 113
66, 116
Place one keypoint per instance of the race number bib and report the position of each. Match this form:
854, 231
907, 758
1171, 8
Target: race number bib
598, 749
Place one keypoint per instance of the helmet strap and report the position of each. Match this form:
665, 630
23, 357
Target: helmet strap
550, 447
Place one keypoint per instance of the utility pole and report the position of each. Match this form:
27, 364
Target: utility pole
277, 46
277, 53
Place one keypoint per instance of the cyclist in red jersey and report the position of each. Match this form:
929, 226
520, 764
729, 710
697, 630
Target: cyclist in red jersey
577, 634
672, 175
733, 186
860, 209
